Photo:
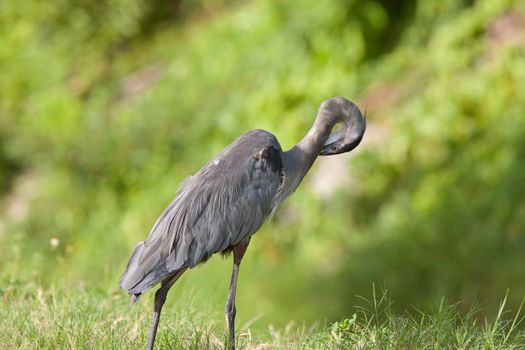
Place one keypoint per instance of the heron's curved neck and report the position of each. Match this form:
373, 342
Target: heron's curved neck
299, 159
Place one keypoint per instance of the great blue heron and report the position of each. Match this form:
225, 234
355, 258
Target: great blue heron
224, 204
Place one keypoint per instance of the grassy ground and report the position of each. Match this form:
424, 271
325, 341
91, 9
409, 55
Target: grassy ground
62, 318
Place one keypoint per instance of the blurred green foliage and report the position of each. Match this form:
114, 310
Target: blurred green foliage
106, 106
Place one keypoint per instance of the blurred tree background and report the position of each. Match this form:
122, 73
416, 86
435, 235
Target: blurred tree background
106, 106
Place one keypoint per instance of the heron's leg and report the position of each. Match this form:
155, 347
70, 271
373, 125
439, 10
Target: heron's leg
160, 299
238, 252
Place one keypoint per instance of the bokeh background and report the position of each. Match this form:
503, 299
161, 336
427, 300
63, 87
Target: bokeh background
106, 106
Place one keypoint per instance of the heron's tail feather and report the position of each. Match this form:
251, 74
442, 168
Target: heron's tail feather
129, 277
145, 269
135, 298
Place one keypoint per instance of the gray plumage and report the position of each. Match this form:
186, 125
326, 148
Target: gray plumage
226, 202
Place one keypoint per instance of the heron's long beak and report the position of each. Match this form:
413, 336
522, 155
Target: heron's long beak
344, 140
338, 147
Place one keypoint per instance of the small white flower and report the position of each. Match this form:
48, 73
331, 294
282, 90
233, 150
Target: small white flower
54, 242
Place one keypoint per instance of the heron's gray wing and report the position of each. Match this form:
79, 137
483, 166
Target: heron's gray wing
225, 202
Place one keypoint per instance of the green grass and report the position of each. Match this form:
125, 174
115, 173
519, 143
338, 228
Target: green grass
65, 318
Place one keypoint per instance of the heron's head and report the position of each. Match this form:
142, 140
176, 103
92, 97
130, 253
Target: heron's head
347, 125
